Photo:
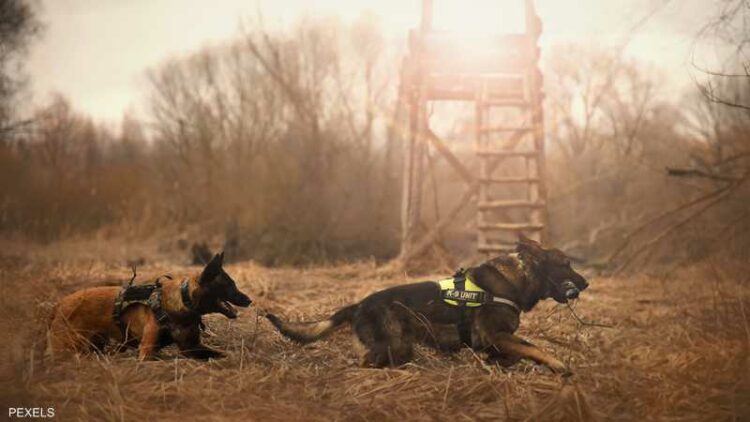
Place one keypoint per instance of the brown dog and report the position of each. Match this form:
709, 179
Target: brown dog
479, 308
148, 316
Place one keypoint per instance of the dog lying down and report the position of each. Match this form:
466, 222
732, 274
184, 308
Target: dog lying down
479, 308
148, 316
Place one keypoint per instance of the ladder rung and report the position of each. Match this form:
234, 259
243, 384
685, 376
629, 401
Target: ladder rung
509, 180
496, 247
489, 129
492, 205
509, 102
512, 226
498, 153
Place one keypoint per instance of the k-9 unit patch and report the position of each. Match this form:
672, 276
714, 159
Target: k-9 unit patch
463, 296
461, 290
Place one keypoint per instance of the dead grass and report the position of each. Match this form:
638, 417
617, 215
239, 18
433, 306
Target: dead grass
677, 350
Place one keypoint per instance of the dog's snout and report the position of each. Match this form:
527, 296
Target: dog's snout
571, 290
242, 300
572, 293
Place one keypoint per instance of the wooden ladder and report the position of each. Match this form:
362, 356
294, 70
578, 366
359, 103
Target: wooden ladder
514, 202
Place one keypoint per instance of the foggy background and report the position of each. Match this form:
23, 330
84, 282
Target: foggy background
113, 42
137, 137
268, 128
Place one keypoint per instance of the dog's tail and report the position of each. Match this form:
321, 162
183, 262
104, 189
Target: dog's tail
308, 332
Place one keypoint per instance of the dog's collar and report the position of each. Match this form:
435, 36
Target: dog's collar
185, 293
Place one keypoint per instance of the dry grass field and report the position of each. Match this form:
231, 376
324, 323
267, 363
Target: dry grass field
314, 141
677, 349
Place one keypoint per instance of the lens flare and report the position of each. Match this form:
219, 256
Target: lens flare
476, 18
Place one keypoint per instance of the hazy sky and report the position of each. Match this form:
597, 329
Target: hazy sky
95, 51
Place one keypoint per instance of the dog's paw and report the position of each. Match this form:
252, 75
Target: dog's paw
203, 354
210, 354
559, 368
215, 354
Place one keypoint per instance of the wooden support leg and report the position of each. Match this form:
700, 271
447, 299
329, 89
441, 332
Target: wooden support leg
429, 238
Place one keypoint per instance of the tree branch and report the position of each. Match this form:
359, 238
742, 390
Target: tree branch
664, 215
700, 173
671, 229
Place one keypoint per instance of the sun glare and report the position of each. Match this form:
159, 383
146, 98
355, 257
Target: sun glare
479, 17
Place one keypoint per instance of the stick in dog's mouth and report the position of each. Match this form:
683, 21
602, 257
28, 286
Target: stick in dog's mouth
571, 291
227, 309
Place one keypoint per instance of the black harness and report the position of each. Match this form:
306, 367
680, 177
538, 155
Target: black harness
464, 323
185, 293
149, 295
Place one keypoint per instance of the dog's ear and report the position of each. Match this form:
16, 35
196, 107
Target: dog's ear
523, 239
526, 245
212, 269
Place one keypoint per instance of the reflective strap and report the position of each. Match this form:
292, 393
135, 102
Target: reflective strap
504, 301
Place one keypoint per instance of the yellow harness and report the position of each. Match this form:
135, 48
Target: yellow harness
460, 290
471, 294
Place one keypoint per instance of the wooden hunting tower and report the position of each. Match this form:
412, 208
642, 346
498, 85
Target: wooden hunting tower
503, 177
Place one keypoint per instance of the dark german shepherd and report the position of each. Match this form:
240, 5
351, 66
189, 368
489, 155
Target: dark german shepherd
388, 322
88, 318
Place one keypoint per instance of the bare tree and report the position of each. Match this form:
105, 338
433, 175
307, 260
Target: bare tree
285, 127
717, 124
18, 25
727, 34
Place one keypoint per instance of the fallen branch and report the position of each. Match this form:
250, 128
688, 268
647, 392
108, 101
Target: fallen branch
733, 158
669, 230
731, 225
700, 173
586, 323
708, 92
662, 216
14, 126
